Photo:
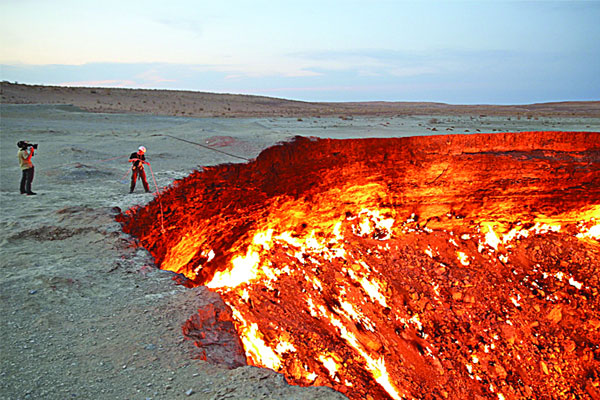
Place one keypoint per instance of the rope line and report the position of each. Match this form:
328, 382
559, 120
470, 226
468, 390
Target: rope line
206, 147
126, 173
162, 220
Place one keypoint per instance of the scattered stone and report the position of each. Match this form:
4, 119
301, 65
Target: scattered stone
456, 295
544, 368
569, 346
555, 315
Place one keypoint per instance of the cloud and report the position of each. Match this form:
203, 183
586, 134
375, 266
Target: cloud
378, 63
282, 68
413, 71
153, 77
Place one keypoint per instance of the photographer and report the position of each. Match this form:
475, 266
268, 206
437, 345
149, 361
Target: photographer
26, 151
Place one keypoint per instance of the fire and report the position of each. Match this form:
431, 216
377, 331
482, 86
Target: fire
244, 269
330, 364
373, 289
463, 258
491, 238
256, 348
434, 267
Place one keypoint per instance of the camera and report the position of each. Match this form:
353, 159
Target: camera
24, 144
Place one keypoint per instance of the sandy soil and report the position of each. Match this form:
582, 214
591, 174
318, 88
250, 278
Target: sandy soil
199, 104
85, 313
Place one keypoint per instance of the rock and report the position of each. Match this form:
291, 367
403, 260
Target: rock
500, 371
212, 331
593, 324
592, 390
509, 333
555, 315
456, 295
569, 346
544, 368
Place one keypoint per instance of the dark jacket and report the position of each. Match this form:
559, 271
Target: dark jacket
137, 164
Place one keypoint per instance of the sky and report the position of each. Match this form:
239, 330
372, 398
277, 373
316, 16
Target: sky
458, 52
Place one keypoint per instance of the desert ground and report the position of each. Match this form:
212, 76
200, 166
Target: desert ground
85, 313
201, 104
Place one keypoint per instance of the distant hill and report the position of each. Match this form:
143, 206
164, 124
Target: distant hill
203, 104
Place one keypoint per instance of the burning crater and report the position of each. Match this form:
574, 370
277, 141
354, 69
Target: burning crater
453, 267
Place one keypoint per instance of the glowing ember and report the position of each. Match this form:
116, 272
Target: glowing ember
427, 267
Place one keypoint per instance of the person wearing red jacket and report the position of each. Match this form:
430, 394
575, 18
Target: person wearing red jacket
137, 168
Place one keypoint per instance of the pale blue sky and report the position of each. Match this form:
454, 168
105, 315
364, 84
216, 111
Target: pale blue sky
460, 52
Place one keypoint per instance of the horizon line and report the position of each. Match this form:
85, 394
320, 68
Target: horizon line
67, 86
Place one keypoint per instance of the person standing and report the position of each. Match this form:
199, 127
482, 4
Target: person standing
137, 168
26, 151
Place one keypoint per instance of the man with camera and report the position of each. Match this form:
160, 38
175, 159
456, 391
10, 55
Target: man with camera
26, 151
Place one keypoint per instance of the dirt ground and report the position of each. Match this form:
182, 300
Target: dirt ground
201, 104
